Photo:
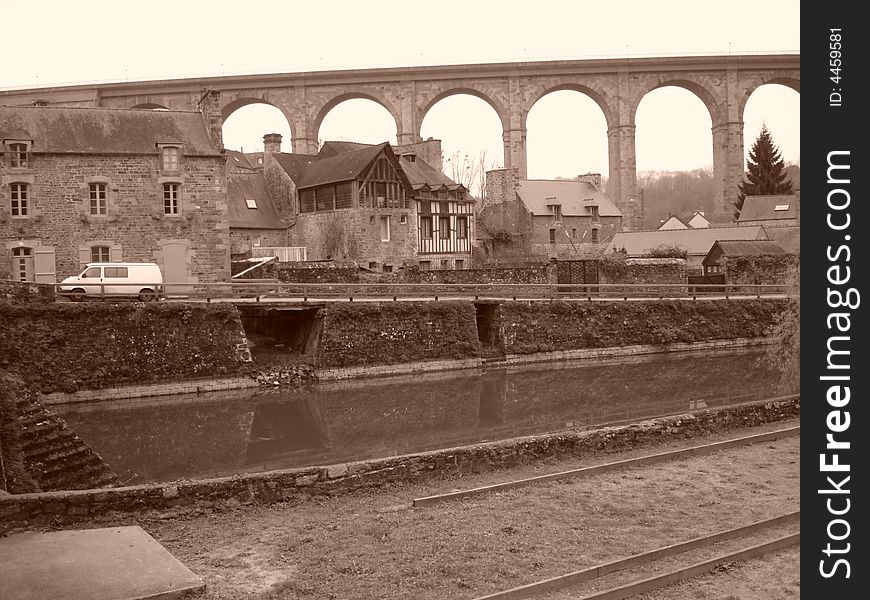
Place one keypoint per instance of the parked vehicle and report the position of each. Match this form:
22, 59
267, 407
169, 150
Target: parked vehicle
117, 279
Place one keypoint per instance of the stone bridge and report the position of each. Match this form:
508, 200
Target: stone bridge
723, 84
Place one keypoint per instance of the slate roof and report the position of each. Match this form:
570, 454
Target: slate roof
694, 241
237, 161
762, 208
422, 173
789, 238
294, 164
56, 129
341, 167
748, 247
333, 148
536, 194
251, 185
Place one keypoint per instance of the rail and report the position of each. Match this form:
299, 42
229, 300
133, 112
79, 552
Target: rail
268, 290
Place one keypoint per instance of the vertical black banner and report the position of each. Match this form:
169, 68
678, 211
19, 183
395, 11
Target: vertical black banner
835, 422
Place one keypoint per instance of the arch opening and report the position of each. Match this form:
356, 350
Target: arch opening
356, 119
246, 121
470, 131
783, 123
674, 155
567, 136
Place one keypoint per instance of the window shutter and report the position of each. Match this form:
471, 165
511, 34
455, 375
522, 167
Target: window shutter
43, 265
115, 253
84, 255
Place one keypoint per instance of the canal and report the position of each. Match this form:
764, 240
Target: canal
196, 436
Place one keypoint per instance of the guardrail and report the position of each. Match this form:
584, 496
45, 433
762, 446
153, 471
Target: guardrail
260, 290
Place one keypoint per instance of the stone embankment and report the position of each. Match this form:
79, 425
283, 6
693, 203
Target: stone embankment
282, 485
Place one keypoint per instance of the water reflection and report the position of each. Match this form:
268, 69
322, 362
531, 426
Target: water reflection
166, 438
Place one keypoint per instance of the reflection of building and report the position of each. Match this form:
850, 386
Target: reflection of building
96, 184
553, 218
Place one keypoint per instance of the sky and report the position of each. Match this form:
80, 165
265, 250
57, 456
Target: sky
102, 41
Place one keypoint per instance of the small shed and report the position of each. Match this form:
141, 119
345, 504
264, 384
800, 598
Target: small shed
748, 261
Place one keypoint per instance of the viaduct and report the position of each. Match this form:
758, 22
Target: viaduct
617, 85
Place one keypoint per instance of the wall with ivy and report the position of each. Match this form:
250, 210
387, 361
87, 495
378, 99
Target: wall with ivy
66, 347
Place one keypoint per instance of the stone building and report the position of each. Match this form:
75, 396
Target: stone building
382, 207
553, 218
255, 219
96, 184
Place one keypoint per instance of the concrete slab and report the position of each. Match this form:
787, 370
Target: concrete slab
114, 563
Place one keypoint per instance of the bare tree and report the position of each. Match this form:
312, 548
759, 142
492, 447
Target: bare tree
470, 172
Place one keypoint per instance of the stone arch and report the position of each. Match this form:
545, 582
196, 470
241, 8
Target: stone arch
498, 107
228, 109
596, 95
700, 89
336, 100
785, 80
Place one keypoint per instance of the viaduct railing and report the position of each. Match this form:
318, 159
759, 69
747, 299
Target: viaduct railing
273, 291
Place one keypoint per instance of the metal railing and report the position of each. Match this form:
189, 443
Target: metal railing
260, 290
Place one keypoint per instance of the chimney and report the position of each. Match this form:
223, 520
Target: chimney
272, 143
501, 185
593, 178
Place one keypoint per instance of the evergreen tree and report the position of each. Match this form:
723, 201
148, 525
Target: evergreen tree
764, 170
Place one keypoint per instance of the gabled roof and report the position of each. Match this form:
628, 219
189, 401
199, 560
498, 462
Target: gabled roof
748, 247
345, 166
251, 185
294, 164
698, 220
57, 129
333, 148
764, 208
694, 241
237, 161
538, 194
673, 222
420, 172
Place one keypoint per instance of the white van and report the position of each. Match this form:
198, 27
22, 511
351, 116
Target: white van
141, 280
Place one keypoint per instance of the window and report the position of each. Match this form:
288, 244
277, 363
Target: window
444, 227
170, 158
100, 254
385, 228
22, 264
594, 210
18, 194
250, 203
426, 227
93, 273
388, 268
18, 155
462, 227
171, 198
552, 236
445, 263
594, 238
373, 266
97, 194
116, 271
425, 265
574, 232
780, 207
459, 264
557, 212
403, 219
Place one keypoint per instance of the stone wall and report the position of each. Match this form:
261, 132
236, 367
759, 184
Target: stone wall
68, 347
17, 292
396, 332
277, 486
241, 240
528, 327
135, 225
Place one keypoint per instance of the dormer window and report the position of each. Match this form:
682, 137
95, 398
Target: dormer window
780, 207
170, 158
19, 154
557, 212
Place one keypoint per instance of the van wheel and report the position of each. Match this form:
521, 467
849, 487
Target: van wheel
77, 295
146, 295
